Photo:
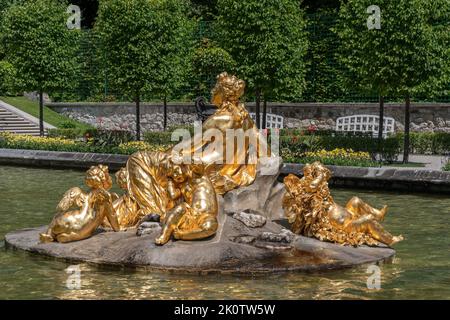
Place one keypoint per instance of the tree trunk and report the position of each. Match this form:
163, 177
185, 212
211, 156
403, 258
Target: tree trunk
380, 125
406, 141
138, 117
41, 113
264, 116
258, 108
165, 112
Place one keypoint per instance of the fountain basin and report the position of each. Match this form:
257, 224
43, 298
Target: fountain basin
235, 248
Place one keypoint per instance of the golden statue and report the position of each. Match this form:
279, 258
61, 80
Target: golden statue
79, 213
124, 207
312, 212
195, 214
148, 171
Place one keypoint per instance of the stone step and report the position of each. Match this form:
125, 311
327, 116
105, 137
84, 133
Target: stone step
19, 127
13, 120
16, 123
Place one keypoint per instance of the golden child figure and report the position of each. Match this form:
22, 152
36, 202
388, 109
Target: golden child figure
194, 216
79, 214
312, 211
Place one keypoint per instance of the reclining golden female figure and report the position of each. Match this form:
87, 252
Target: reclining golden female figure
79, 213
312, 211
147, 170
194, 216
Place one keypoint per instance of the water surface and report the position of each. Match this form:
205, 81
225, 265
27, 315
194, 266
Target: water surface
421, 269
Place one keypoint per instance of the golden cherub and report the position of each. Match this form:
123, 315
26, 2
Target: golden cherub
79, 213
311, 210
194, 216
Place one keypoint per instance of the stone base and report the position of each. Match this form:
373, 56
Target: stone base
235, 248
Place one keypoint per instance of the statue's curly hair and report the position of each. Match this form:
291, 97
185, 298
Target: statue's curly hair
99, 174
229, 86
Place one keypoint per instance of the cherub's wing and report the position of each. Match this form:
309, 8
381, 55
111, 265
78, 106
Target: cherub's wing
74, 197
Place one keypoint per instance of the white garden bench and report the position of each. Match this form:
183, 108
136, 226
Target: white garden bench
273, 121
365, 123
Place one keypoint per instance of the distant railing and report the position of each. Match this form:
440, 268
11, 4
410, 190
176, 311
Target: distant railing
365, 123
273, 121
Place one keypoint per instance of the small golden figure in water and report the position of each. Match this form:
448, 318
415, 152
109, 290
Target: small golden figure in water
194, 216
311, 210
79, 214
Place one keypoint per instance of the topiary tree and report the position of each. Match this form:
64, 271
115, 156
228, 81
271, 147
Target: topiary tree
208, 61
142, 46
267, 40
174, 56
39, 46
324, 81
399, 57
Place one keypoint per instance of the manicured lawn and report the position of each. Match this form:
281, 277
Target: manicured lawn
32, 108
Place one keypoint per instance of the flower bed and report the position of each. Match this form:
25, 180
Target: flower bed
339, 157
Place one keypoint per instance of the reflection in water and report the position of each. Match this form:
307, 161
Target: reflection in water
421, 268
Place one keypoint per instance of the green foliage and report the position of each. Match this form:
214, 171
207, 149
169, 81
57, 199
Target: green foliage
429, 142
68, 133
324, 74
144, 43
446, 166
158, 138
39, 45
204, 9
135, 146
267, 39
404, 54
7, 78
295, 144
208, 61
339, 157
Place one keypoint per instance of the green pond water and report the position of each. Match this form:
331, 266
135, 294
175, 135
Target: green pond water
420, 270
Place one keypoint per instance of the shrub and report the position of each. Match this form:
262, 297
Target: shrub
158, 138
13, 141
339, 157
68, 124
293, 145
108, 138
446, 167
67, 133
429, 142
134, 146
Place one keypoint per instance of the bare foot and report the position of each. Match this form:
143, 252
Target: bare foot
162, 239
45, 238
383, 212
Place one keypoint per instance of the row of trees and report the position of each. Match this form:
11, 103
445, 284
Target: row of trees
149, 46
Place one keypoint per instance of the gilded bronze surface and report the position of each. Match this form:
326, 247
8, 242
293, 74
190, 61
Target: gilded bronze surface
312, 212
195, 214
147, 171
124, 207
79, 213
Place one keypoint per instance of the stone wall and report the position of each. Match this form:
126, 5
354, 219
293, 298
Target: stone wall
424, 116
